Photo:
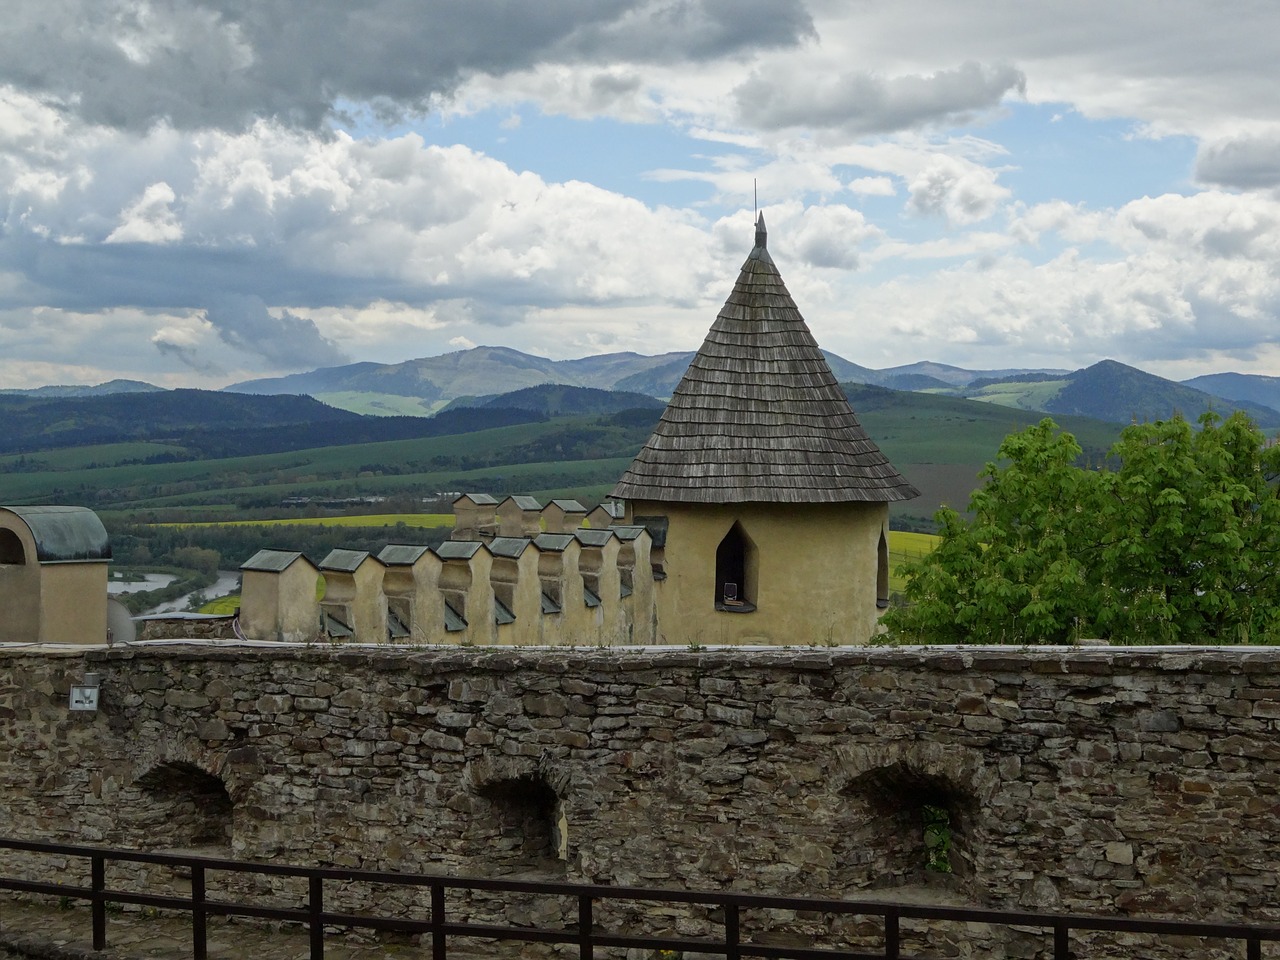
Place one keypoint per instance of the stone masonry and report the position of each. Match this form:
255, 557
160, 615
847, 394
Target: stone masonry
1134, 781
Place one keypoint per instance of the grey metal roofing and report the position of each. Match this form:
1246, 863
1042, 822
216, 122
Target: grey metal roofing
570, 506
453, 621
344, 561
593, 538
657, 527
457, 549
554, 542
589, 597
759, 417
508, 546
502, 613
335, 627
628, 531
481, 499
401, 554
273, 561
525, 503
396, 628
65, 534
549, 605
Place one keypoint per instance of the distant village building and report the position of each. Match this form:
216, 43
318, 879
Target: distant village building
766, 497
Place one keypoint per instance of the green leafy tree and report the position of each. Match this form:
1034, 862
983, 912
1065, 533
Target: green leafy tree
1179, 543
1188, 532
1014, 574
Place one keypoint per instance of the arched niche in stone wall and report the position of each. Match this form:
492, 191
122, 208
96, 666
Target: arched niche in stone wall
911, 815
175, 805
519, 824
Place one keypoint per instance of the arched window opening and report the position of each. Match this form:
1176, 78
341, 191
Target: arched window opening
11, 550
882, 573
903, 828
181, 807
735, 591
527, 827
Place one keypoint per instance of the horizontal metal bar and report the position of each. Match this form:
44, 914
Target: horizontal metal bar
613, 894
50, 889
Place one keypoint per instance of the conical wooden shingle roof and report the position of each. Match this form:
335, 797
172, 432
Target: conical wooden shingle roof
759, 416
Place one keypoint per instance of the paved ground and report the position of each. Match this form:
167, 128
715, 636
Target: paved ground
43, 930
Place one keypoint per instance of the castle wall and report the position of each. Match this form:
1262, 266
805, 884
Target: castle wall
812, 572
1135, 781
280, 605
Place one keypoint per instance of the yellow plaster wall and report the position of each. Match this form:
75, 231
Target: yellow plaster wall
813, 579
20, 588
280, 606
601, 563
73, 602
419, 585
521, 577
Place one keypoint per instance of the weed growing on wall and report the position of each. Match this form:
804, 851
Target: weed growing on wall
937, 838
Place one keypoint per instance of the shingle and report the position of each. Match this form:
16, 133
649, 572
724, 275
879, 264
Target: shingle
759, 416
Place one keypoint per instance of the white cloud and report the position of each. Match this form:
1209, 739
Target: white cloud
149, 219
961, 192
860, 103
1248, 162
1187, 276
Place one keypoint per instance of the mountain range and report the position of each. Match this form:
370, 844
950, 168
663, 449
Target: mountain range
1107, 390
495, 377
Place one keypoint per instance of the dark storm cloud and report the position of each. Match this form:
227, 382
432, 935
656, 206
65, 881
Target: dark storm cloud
669, 32
862, 103
286, 342
1247, 163
192, 357
221, 63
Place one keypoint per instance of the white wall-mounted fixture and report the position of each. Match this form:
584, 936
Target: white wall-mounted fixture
84, 695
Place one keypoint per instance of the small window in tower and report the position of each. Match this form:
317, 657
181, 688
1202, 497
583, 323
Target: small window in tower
734, 568
11, 548
882, 573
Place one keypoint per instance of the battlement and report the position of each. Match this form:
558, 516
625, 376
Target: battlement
513, 572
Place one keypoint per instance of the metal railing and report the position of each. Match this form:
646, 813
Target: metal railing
585, 933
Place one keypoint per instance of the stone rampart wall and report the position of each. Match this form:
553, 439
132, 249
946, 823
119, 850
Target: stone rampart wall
1091, 780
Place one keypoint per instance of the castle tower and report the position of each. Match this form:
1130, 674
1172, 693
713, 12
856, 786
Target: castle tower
773, 498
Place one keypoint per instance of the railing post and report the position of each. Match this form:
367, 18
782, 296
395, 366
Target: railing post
891, 936
315, 907
438, 942
98, 905
199, 924
586, 946
1060, 951
1254, 948
732, 933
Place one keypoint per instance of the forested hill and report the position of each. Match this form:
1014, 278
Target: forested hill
215, 424
560, 400
1113, 391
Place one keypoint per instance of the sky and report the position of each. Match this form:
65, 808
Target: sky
198, 193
